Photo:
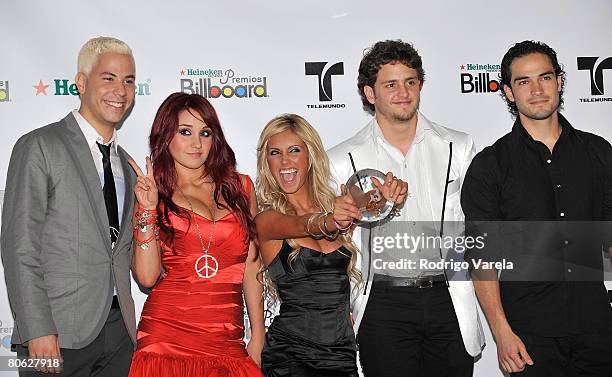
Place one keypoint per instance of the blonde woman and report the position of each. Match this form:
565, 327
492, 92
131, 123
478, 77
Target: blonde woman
308, 253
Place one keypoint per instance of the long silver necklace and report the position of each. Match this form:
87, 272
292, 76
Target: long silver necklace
206, 266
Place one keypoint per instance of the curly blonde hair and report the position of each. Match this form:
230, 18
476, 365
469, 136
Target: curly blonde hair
270, 196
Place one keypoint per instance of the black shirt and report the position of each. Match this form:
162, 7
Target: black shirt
518, 179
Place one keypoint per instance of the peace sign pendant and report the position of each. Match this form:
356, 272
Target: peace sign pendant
206, 266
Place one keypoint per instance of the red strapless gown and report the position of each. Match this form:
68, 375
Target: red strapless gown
192, 326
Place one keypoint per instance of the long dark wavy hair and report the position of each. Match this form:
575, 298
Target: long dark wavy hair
220, 165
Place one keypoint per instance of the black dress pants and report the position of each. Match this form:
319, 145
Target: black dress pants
584, 355
109, 355
412, 332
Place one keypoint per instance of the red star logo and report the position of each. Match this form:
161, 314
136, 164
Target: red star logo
41, 88
462, 67
182, 72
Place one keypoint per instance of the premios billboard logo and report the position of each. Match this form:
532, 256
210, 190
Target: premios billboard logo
222, 83
5, 335
4, 91
479, 78
65, 87
596, 67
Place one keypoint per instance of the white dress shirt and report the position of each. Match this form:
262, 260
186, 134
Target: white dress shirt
425, 171
416, 216
92, 137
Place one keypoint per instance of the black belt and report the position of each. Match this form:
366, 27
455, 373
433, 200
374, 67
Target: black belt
422, 282
115, 304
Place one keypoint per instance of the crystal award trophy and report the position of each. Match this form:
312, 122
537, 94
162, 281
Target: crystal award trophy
367, 197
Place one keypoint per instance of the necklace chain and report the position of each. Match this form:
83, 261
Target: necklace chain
212, 230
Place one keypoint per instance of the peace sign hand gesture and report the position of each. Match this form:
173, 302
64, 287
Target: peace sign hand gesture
145, 188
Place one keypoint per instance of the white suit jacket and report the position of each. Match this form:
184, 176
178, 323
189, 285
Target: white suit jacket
432, 177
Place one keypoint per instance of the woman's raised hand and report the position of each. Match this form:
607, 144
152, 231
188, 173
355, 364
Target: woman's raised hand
145, 188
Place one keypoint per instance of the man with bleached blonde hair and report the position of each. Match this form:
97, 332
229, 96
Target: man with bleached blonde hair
66, 231
91, 51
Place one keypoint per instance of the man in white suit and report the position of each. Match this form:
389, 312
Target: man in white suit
411, 321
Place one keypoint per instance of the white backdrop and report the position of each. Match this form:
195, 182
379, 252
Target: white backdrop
273, 40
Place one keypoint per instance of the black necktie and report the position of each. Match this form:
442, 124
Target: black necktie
110, 193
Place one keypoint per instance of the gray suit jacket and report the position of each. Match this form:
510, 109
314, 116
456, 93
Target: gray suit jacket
59, 266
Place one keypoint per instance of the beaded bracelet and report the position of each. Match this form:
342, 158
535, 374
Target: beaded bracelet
395, 212
144, 244
146, 219
308, 224
343, 229
323, 227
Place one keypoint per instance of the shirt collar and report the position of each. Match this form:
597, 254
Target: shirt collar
91, 135
421, 130
519, 130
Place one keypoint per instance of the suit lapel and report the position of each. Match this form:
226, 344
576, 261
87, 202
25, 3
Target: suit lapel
77, 147
365, 156
435, 158
363, 160
128, 200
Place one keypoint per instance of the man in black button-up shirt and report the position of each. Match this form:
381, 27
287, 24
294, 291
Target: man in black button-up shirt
544, 174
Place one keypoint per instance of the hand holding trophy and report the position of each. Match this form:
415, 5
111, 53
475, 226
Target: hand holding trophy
376, 194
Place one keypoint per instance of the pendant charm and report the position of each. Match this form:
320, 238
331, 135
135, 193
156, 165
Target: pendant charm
141, 223
206, 266
144, 246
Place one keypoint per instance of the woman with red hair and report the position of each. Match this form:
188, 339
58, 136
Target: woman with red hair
194, 245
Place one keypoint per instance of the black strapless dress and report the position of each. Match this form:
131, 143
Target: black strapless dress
312, 335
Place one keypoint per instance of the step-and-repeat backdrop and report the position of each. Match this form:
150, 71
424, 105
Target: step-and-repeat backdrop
255, 60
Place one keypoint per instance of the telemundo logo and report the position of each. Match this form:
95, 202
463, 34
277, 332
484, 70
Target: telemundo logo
324, 76
324, 73
596, 66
